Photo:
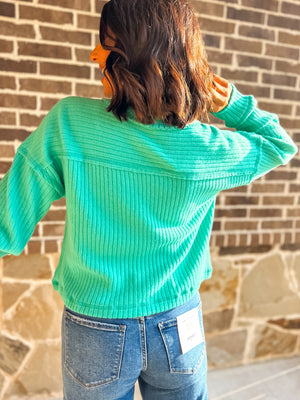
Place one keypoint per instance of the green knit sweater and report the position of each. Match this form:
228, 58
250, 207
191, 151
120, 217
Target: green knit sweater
140, 199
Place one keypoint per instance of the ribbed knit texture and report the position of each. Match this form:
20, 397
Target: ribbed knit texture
140, 198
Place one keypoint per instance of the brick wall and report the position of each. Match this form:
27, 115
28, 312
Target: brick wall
45, 47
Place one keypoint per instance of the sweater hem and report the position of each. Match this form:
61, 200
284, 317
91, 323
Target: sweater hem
126, 312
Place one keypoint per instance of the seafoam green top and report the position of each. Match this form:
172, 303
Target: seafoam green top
140, 198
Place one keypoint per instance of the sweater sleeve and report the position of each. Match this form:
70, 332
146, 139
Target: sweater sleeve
261, 129
32, 183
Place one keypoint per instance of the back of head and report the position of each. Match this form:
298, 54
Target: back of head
158, 65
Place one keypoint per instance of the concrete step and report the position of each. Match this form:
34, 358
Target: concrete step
268, 380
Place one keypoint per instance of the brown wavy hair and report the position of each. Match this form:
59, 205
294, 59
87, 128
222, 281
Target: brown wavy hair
158, 65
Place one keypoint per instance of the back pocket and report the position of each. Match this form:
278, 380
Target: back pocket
93, 350
189, 362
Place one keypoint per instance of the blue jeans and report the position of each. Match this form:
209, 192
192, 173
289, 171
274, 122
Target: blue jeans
103, 358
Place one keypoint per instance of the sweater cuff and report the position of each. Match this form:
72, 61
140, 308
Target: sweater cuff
238, 103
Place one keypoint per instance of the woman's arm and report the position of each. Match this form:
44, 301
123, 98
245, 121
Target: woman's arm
260, 129
30, 186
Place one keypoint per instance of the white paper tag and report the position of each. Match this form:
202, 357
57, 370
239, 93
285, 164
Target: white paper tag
189, 330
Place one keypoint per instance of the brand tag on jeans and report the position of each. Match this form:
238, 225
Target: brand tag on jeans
189, 330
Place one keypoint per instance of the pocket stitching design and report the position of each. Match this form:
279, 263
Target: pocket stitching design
120, 357
170, 323
96, 324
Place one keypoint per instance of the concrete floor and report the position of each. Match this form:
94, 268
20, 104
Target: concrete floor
276, 379
269, 380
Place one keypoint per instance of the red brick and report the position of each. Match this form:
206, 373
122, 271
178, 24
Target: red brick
51, 246
287, 94
88, 22
277, 238
83, 55
18, 101
284, 22
295, 163
67, 70
4, 166
230, 213
256, 32
248, 46
231, 200
245, 15
211, 40
243, 240
239, 75
219, 27
278, 200
277, 108
232, 240
18, 66
288, 237
266, 238
6, 46
283, 175
290, 247
72, 4
241, 225
271, 5
238, 189
98, 74
31, 120
7, 9
47, 103
267, 187
7, 151
44, 50
256, 91
289, 38
7, 118
60, 35
290, 8
277, 224
220, 240
13, 134
244, 249
60, 202
282, 51
89, 90
290, 123
219, 57
55, 215
53, 229
254, 239
294, 188
250, 61
46, 15
288, 67
265, 212
48, 86
279, 80
293, 212
216, 225
34, 247
7, 82
16, 30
